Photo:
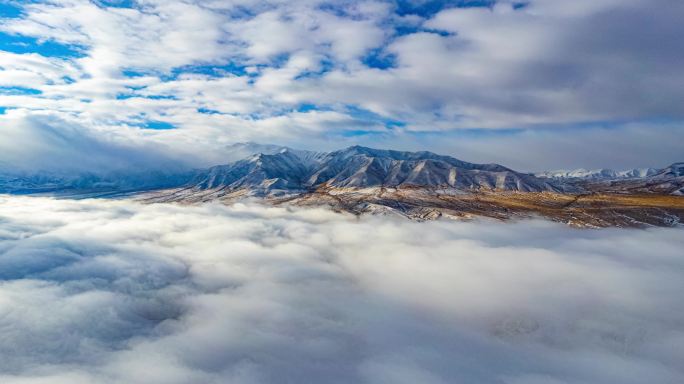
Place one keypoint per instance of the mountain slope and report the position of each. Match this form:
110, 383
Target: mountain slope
284, 170
669, 180
361, 167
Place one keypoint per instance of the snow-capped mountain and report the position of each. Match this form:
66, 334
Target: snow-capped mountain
259, 169
284, 170
675, 170
601, 173
638, 172
242, 151
361, 167
668, 180
360, 180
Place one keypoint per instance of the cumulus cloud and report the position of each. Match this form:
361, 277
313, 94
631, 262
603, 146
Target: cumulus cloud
117, 292
310, 70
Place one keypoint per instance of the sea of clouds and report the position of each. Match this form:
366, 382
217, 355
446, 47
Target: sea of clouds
101, 291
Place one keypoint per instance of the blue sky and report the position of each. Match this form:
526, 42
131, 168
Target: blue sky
452, 76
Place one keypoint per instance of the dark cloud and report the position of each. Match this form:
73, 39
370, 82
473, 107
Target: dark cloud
100, 291
44, 142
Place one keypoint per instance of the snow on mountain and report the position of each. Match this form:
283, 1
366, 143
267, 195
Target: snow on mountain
361, 167
241, 151
675, 170
272, 169
638, 172
669, 179
283, 170
601, 173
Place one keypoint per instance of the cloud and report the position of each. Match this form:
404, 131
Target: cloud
224, 71
34, 142
117, 292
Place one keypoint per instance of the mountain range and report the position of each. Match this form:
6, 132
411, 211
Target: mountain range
419, 185
601, 173
281, 170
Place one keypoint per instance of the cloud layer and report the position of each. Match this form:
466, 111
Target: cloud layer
196, 75
115, 292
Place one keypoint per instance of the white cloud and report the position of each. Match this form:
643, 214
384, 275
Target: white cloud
549, 64
115, 292
543, 64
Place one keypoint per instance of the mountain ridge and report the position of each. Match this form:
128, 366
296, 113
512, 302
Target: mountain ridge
267, 169
361, 180
600, 173
279, 171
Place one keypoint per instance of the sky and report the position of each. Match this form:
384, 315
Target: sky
534, 85
112, 291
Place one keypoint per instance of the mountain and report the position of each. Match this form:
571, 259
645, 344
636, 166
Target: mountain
241, 151
284, 170
362, 167
637, 172
424, 185
675, 170
670, 179
362, 180
91, 183
667, 181
601, 173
